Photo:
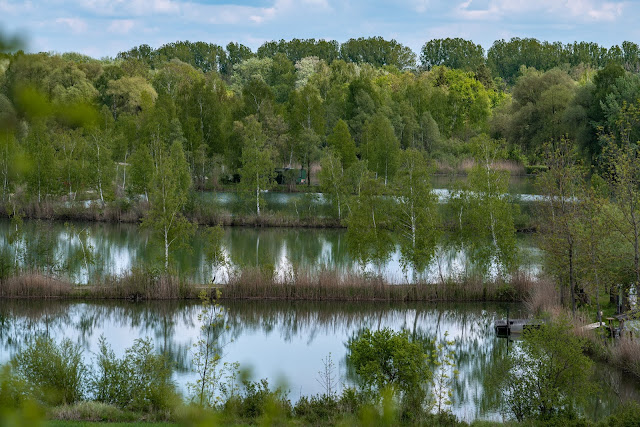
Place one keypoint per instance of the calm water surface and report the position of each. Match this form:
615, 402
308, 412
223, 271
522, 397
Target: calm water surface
286, 342
121, 247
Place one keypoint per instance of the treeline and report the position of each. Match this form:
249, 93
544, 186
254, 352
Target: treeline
99, 124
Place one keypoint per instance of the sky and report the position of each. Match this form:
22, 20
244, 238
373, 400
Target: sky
101, 28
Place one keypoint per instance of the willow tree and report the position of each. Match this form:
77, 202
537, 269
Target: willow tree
416, 210
257, 171
167, 197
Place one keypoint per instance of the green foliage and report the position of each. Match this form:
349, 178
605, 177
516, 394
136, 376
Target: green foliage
55, 373
369, 238
213, 377
168, 196
416, 211
562, 186
452, 53
377, 51
445, 373
548, 373
332, 182
258, 401
380, 147
484, 212
140, 381
341, 141
387, 359
257, 171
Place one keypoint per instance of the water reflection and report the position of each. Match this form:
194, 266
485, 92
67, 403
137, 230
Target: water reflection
50, 246
289, 339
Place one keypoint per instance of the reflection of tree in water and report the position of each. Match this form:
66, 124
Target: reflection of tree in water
478, 353
22, 319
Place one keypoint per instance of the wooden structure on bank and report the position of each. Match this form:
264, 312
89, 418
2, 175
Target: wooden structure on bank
507, 327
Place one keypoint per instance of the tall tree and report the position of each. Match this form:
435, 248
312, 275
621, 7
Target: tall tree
453, 53
380, 147
257, 167
416, 211
342, 143
168, 196
623, 165
332, 180
561, 186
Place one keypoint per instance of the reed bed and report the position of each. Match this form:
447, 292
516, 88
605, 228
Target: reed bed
141, 285
254, 283
34, 285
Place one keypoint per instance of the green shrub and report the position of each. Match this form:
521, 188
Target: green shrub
257, 400
387, 359
141, 381
316, 409
627, 415
56, 374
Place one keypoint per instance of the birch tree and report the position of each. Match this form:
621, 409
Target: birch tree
257, 171
169, 191
416, 211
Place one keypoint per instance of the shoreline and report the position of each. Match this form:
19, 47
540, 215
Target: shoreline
252, 284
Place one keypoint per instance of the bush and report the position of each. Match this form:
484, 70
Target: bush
317, 409
141, 381
258, 400
386, 358
56, 374
626, 416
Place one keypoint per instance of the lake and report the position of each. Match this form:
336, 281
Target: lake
287, 341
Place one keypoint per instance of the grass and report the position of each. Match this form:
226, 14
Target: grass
58, 423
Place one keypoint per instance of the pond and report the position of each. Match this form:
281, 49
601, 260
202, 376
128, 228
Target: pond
522, 189
286, 342
121, 247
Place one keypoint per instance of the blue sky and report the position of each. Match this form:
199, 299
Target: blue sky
104, 27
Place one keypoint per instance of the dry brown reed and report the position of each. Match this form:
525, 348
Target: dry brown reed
141, 285
254, 283
465, 166
326, 285
543, 297
269, 219
625, 354
34, 285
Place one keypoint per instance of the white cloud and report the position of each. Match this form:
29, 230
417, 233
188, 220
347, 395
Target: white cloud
10, 7
120, 26
589, 10
131, 7
420, 6
76, 25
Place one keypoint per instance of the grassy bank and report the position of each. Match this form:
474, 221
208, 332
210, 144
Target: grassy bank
254, 283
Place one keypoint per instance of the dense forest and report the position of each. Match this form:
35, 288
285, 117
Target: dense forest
77, 124
361, 119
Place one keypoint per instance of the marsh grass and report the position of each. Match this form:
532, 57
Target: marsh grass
329, 285
34, 285
262, 283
